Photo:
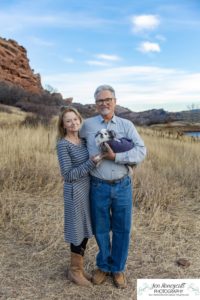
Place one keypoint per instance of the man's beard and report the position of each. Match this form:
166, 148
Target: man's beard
105, 111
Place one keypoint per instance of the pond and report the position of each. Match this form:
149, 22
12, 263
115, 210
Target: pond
193, 133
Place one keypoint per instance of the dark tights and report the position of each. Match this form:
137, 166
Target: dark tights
80, 249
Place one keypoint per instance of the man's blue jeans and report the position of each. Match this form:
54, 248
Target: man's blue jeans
111, 212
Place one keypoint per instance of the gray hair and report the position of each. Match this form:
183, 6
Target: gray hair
104, 87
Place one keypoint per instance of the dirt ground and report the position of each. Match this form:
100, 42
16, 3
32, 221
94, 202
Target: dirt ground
36, 270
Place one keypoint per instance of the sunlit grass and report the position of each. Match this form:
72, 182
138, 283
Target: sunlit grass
165, 220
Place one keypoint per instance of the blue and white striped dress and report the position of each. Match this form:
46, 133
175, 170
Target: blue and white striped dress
75, 166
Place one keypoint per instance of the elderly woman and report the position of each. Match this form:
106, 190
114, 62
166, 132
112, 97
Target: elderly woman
75, 166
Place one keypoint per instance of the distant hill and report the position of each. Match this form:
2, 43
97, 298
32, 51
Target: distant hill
144, 118
46, 105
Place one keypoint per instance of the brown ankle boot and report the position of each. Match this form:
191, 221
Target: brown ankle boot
119, 280
85, 274
99, 276
75, 273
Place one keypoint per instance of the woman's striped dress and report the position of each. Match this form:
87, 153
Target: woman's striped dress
75, 166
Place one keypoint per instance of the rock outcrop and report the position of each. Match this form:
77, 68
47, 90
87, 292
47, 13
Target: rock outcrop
149, 117
143, 118
15, 68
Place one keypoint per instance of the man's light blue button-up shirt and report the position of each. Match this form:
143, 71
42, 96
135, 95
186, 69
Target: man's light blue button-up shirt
111, 170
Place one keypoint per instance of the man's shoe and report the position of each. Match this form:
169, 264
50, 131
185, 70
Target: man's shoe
99, 276
119, 280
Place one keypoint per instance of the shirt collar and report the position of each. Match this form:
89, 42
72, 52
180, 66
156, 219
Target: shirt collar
113, 120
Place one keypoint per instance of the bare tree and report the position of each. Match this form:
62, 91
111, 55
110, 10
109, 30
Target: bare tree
50, 89
194, 112
193, 106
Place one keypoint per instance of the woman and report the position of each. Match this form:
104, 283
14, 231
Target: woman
75, 165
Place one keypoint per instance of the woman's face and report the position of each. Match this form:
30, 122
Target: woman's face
71, 122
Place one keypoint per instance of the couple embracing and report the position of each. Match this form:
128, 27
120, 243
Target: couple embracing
97, 189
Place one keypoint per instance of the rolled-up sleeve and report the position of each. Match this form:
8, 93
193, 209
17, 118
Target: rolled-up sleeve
135, 155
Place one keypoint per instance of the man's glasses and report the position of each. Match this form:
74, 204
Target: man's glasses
102, 101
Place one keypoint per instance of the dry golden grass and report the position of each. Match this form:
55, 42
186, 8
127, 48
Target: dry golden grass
34, 257
12, 116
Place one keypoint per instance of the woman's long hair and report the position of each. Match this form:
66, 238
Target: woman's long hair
61, 130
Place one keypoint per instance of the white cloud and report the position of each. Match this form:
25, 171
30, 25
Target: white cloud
146, 47
108, 57
96, 63
145, 22
103, 60
137, 87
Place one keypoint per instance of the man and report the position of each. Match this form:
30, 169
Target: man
111, 188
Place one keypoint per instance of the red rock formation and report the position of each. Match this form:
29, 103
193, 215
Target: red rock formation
14, 67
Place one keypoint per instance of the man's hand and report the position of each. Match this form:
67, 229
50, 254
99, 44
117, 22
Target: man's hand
109, 154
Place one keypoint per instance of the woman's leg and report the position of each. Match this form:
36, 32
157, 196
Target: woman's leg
80, 249
76, 272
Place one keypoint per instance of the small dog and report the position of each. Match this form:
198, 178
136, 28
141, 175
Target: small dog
117, 145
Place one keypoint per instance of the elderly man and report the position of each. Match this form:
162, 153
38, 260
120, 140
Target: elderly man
111, 188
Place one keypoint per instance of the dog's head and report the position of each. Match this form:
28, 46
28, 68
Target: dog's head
103, 136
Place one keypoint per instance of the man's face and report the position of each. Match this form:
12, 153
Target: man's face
105, 103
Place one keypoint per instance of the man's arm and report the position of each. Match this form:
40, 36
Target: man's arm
135, 155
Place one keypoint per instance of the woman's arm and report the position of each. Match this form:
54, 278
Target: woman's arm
69, 172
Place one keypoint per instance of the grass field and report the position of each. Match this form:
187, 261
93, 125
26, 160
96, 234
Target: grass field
34, 257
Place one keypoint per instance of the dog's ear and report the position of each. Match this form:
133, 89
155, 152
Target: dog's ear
112, 134
98, 132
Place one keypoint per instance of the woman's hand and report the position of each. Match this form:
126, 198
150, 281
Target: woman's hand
97, 158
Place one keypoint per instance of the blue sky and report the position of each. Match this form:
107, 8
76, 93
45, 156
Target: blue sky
148, 50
